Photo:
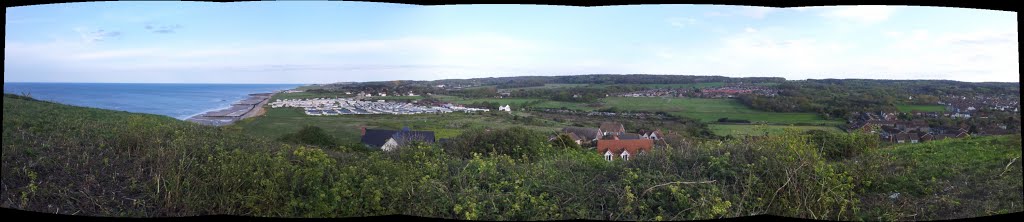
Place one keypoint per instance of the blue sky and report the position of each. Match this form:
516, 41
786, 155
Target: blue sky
322, 42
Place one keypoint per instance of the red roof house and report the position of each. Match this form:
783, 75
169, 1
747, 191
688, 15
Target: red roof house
623, 148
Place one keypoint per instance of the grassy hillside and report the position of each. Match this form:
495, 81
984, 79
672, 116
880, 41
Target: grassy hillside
72, 160
948, 179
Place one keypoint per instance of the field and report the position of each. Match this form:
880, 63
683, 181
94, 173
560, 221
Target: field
280, 121
549, 86
710, 110
668, 86
920, 108
735, 130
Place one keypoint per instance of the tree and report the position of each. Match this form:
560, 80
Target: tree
565, 141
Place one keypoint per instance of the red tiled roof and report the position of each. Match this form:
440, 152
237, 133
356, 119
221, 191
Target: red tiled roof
617, 146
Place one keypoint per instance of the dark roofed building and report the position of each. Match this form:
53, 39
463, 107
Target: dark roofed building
376, 137
612, 128
585, 134
654, 135
630, 136
906, 138
390, 139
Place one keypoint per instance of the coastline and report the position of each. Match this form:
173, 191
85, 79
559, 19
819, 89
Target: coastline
249, 107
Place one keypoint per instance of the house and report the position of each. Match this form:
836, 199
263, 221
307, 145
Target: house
927, 137
623, 149
505, 108
653, 135
388, 140
585, 134
612, 128
919, 125
906, 138
383, 94
630, 136
572, 136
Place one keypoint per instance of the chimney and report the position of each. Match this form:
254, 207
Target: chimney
364, 131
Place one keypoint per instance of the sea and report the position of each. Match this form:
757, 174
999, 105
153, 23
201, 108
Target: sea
180, 101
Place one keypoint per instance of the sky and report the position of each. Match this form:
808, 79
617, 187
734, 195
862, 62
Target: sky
325, 42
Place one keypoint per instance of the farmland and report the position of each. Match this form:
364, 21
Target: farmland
549, 86
667, 86
710, 110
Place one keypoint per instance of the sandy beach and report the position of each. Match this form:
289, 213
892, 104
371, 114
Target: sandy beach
246, 108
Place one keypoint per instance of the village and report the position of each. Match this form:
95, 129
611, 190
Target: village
610, 139
891, 128
347, 106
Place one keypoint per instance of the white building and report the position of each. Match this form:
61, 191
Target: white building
505, 108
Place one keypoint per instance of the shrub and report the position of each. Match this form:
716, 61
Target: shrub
311, 135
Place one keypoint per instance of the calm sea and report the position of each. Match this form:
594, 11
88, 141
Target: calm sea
180, 101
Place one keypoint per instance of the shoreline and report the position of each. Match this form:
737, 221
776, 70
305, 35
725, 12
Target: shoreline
249, 107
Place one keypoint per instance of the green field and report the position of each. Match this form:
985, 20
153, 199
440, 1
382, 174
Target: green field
738, 129
921, 108
673, 86
710, 110
706, 110
279, 121
548, 86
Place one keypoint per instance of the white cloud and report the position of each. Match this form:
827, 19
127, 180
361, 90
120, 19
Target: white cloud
861, 13
915, 54
750, 30
96, 35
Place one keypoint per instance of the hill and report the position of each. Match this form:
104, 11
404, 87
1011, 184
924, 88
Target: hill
83, 161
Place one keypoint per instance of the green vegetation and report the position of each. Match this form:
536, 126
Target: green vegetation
710, 110
98, 162
838, 98
549, 86
945, 179
666, 86
706, 110
758, 130
311, 135
278, 121
920, 108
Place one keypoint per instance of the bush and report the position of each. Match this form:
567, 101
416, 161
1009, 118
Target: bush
515, 141
310, 135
